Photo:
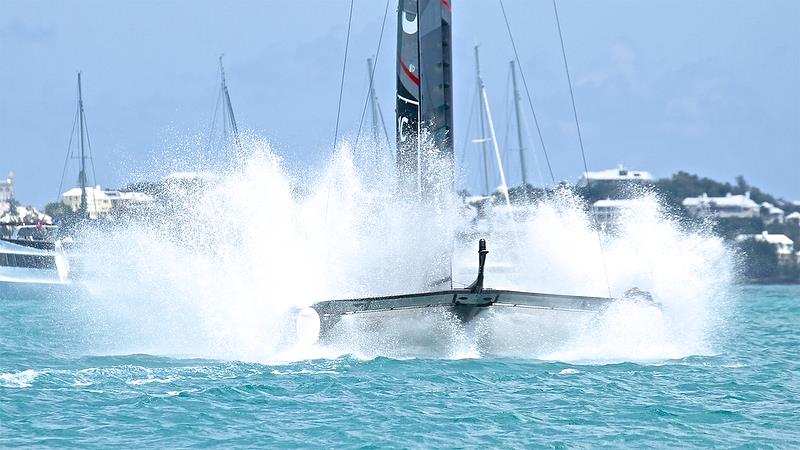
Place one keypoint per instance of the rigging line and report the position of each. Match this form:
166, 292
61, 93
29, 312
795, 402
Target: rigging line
469, 127
536, 163
214, 116
508, 107
372, 75
341, 85
224, 126
571, 94
528, 94
580, 142
338, 114
483, 161
383, 124
91, 158
214, 122
69, 149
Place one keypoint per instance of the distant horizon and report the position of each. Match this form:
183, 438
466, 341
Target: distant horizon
659, 87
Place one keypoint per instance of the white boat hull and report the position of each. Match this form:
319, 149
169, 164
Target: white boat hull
22, 264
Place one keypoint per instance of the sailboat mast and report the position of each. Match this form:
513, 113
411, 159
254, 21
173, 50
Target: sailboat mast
373, 99
228, 104
482, 126
82, 175
518, 112
503, 184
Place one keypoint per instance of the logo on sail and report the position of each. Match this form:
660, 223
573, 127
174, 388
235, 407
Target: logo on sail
409, 26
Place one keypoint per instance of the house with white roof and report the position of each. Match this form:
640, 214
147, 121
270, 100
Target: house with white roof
619, 175
97, 202
729, 206
784, 247
771, 213
793, 219
101, 202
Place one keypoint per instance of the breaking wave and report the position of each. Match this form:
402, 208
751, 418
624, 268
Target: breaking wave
219, 269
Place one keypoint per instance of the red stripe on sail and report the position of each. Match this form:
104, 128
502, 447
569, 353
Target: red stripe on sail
445, 3
408, 72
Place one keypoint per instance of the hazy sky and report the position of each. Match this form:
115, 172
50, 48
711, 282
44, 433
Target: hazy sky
711, 87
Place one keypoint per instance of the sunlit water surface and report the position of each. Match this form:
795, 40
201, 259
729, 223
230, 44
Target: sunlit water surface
180, 331
56, 388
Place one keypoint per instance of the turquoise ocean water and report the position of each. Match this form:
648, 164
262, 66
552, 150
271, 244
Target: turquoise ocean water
58, 387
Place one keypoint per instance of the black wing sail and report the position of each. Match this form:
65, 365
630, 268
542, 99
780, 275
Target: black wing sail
436, 110
424, 93
408, 94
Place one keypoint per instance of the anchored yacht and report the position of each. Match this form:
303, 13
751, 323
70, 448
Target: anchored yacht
24, 264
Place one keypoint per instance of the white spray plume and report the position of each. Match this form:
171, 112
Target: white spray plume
218, 272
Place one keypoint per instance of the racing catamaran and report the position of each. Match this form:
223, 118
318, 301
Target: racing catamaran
424, 107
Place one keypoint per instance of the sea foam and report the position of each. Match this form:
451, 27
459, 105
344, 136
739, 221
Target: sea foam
219, 272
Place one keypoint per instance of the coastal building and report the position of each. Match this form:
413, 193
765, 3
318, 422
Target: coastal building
771, 213
97, 202
784, 246
615, 177
610, 210
793, 219
730, 206
6, 194
12, 213
101, 202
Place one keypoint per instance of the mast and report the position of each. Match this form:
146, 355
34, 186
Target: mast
519, 126
373, 99
82, 210
228, 105
503, 184
424, 88
481, 115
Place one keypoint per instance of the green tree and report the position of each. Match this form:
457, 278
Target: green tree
760, 260
56, 209
731, 227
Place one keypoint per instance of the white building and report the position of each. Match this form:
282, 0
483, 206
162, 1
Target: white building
730, 206
793, 219
771, 213
619, 175
784, 247
608, 210
101, 202
6, 194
